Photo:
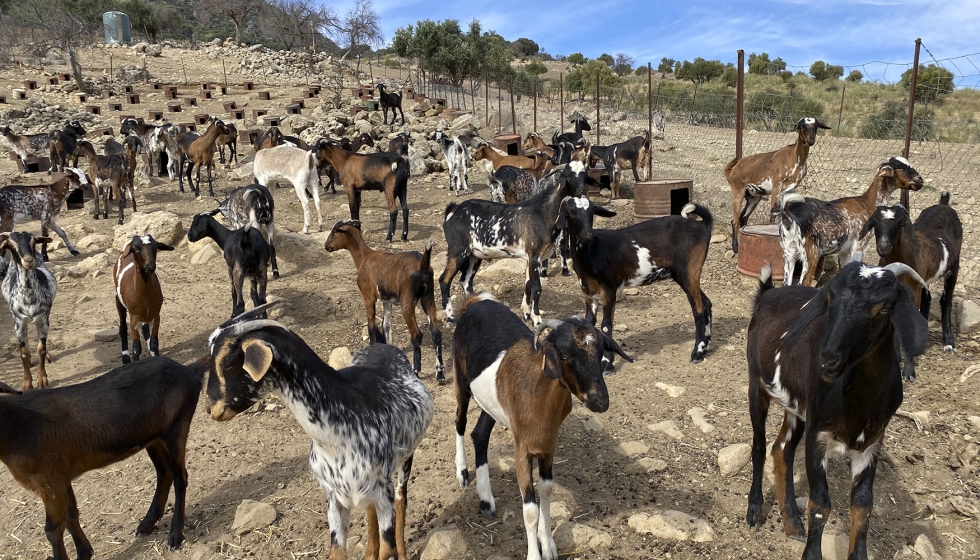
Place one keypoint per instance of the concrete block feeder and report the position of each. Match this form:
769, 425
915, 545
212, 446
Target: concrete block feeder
510, 143
758, 245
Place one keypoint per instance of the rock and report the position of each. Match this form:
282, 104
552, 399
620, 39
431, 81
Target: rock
559, 511
296, 123
298, 248
719, 238
204, 254
969, 313
153, 50
592, 424
504, 267
252, 515
647, 465
106, 335
667, 427
700, 418
731, 459
975, 420
633, 448
94, 241
924, 548
444, 543
416, 163
578, 537
340, 358
140, 47
165, 227
506, 122
671, 389
672, 525
834, 546
923, 417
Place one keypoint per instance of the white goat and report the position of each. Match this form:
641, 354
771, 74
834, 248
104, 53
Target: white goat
457, 160
297, 166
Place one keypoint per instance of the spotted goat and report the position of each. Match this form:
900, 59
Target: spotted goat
829, 358
156, 141
138, 294
365, 421
457, 161
41, 202
253, 205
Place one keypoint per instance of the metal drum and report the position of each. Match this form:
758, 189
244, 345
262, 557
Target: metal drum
757, 245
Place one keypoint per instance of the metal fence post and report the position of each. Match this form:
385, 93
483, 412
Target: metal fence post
650, 121
739, 103
561, 101
513, 114
908, 123
597, 134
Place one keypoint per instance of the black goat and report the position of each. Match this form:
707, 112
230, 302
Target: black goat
399, 144
254, 205
246, 253
390, 101
631, 152
581, 123
62, 145
829, 357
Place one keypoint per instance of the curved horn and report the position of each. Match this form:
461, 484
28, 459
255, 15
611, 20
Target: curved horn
547, 324
898, 268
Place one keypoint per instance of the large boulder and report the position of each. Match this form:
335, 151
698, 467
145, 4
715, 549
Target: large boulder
296, 123
298, 248
153, 50
165, 227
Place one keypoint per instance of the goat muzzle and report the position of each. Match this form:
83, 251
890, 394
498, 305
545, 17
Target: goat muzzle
220, 412
596, 401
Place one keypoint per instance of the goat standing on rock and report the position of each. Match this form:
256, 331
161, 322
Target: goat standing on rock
390, 101
29, 288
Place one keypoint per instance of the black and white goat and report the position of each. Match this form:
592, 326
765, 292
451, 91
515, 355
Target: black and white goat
525, 381
253, 205
356, 447
480, 229
457, 161
29, 288
155, 140
829, 357
606, 261
632, 152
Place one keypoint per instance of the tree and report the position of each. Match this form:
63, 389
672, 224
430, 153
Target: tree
760, 64
65, 23
932, 82
623, 64
535, 68
822, 71
576, 59
641, 70
730, 76
607, 58
666, 65
291, 22
357, 30
150, 18
442, 47
855, 76
524, 48
700, 70
238, 11
582, 79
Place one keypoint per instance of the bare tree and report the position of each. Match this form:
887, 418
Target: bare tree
358, 30
292, 22
622, 64
55, 22
237, 11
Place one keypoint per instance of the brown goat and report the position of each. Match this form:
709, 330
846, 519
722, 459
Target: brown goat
484, 151
62, 145
117, 171
383, 171
535, 143
402, 278
771, 173
198, 150
138, 293
230, 139
269, 139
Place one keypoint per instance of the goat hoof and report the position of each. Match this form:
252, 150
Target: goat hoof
949, 348
46, 259
145, 527
174, 540
275, 274
73, 253
125, 360
565, 272
463, 478
441, 379
697, 359
487, 510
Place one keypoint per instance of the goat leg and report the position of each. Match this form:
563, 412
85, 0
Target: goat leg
545, 484
42, 356
151, 333
818, 508
385, 508
178, 465
338, 519
55, 501
946, 306
404, 205
165, 477
21, 330
758, 411
373, 535
408, 312
862, 500
429, 306
481, 444
210, 186
83, 548
522, 464
123, 329
64, 237
401, 505
135, 335
783, 452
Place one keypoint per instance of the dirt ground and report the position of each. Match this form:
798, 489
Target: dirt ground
262, 454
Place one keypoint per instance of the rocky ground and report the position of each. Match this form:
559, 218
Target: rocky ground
662, 474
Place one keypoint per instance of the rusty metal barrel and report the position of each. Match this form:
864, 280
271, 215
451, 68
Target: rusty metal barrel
758, 245
661, 197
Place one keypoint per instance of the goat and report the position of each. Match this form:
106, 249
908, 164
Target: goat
196, 149
660, 121
810, 229
156, 141
403, 278
138, 293
52, 437
771, 173
26, 144
110, 175
355, 448
931, 246
484, 151
229, 139
269, 139
253, 205
480, 229
525, 381
580, 122
41, 202
246, 254
512, 184
535, 143
829, 357
62, 145
399, 144
362, 139
390, 101
383, 171
29, 288
457, 161
606, 261
617, 156
578, 157
297, 166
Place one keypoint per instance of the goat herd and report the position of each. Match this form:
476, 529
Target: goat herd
828, 356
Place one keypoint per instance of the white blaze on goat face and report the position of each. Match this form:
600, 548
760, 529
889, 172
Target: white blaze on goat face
581, 202
577, 167
903, 160
809, 120
484, 389
888, 214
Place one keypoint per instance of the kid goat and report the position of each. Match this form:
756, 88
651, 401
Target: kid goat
525, 381
255, 206
297, 166
29, 288
405, 279
829, 357
457, 160
771, 173
356, 448
606, 261
138, 293
26, 144
810, 228
246, 253
52, 437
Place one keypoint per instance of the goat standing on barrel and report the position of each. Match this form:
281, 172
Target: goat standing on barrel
829, 357
29, 288
138, 293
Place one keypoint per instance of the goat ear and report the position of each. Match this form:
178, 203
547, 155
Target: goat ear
811, 310
42, 239
886, 171
612, 346
4, 388
823, 126
604, 212
127, 250
258, 358
913, 330
867, 226
552, 361
164, 247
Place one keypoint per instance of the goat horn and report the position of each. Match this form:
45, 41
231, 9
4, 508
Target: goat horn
856, 256
547, 324
898, 268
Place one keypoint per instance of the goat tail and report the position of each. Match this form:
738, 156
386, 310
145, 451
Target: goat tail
765, 283
479, 296
450, 208
425, 264
944, 198
401, 163
730, 166
701, 212
646, 139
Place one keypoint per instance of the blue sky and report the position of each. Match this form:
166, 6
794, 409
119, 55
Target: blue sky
843, 32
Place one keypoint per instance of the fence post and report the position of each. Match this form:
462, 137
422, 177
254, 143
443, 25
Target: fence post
739, 103
225, 73
561, 102
486, 89
908, 123
597, 135
513, 114
535, 104
110, 67
650, 121
500, 125
840, 112
472, 92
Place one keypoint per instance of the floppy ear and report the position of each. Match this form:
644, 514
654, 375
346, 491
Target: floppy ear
913, 330
867, 226
562, 218
164, 247
823, 126
612, 346
552, 361
886, 171
127, 250
604, 212
258, 358
4, 388
798, 125
811, 310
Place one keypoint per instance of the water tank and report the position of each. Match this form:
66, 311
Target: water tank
116, 28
